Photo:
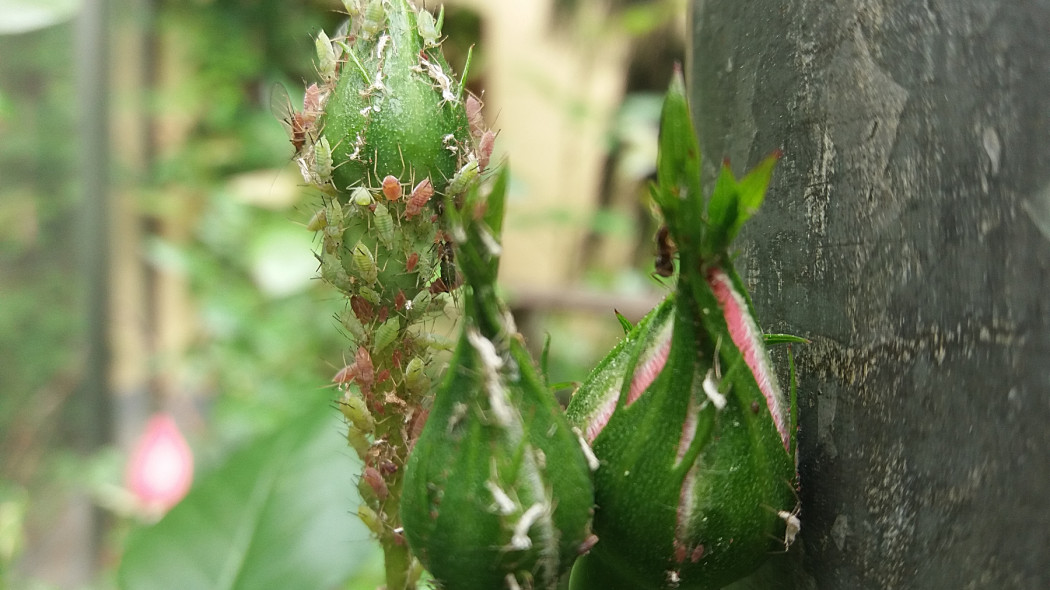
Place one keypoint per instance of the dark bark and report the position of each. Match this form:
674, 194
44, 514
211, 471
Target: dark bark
907, 233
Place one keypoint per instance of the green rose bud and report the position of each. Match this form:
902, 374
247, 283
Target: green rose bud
697, 479
497, 490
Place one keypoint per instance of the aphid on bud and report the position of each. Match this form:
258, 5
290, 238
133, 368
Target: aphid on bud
370, 295
352, 324
413, 260
421, 301
322, 171
294, 123
326, 58
356, 412
384, 225
375, 482
361, 197
361, 308
391, 188
318, 221
463, 179
386, 333
665, 250
352, 8
419, 197
486, 144
313, 104
370, 519
429, 29
416, 379
474, 117
373, 18
365, 263
359, 441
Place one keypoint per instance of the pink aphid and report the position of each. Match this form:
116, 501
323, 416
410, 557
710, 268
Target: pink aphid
391, 188
413, 260
419, 198
474, 116
375, 480
485, 146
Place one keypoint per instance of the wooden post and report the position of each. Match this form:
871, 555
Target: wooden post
907, 233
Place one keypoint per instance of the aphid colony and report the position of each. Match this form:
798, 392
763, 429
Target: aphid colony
388, 137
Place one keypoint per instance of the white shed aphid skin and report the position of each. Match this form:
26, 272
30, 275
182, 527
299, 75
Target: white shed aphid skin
711, 390
792, 526
512, 582
504, 505
520, 539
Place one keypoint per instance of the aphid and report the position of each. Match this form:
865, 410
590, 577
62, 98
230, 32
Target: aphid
361, 308
486, 144
293, 122
365, 263
474, 116
419, 197
365, 369
319, 220
322, 171
421, 301
463, 179
391, 188
413, 260
359, 441
375, 481
386, 333
416, 379
373, 18
370, 518
399, 302
369, 294
356, 412
313, 104
352, 8
326, 58
361, 197
665, 250
353, 325
429, 29
384, 225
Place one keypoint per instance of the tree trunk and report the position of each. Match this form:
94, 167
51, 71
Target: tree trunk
907, 233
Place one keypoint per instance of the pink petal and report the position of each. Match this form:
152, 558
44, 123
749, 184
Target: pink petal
161, 468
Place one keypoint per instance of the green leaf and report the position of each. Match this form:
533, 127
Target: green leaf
678, 167
278, 514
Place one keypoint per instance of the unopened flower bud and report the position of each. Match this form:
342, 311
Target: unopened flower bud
697, 476
497, 492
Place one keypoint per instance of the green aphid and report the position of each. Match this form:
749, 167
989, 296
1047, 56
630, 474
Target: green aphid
326, 57
463, 179
356, 411
384, 225
429, 29
416, 379
386, 334
322, 173
374, 17
370, 295
361, 196
365, 263
319, 220
353, 325
371, 519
